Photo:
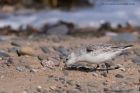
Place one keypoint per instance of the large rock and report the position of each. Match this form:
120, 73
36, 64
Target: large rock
58, 30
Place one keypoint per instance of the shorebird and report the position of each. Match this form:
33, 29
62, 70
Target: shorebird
96, 54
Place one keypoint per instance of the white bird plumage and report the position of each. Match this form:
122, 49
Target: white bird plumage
95, 54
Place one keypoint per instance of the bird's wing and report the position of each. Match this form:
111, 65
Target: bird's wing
98, 47
106, 48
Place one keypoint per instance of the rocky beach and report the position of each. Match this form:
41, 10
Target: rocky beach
37, 36
36, 65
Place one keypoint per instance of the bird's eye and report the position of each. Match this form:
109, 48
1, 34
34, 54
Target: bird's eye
66, 59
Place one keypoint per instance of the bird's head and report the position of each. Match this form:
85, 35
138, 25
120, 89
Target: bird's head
70, 60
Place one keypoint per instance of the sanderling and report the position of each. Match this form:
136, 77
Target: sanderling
96, 54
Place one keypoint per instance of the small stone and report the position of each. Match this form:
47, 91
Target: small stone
52, 87
3, 54
95, 74
47, 63
119, 76
9, 61
17, 43
39, 88
31, 62
63, 52
26, 51
45, 49
22, 69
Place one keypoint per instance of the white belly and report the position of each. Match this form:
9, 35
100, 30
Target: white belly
98, 58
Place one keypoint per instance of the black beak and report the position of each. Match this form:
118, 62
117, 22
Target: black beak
65, 66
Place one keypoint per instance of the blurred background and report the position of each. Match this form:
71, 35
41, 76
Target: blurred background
70, 17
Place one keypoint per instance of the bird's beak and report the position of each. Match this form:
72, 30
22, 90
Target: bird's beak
65, 66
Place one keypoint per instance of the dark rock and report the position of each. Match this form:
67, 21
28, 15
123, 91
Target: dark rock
105, 90
125, 37
119, 76
3, 54
63, 52
45, 49
48, 63
59, 29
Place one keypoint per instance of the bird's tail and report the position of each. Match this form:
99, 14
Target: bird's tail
128, 46
124, 47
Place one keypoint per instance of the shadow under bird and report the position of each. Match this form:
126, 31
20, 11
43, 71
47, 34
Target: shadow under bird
96, 54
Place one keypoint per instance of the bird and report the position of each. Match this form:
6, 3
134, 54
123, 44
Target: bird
96, 54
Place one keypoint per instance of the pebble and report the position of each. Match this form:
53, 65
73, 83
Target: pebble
63, 52
3, 54
31, 62
39, 88
9, 62
119, 76
52, 87
26, 51
45, 49
94, 74
47, 63
17, 43
42, 57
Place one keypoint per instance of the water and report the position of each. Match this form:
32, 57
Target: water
92, 16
